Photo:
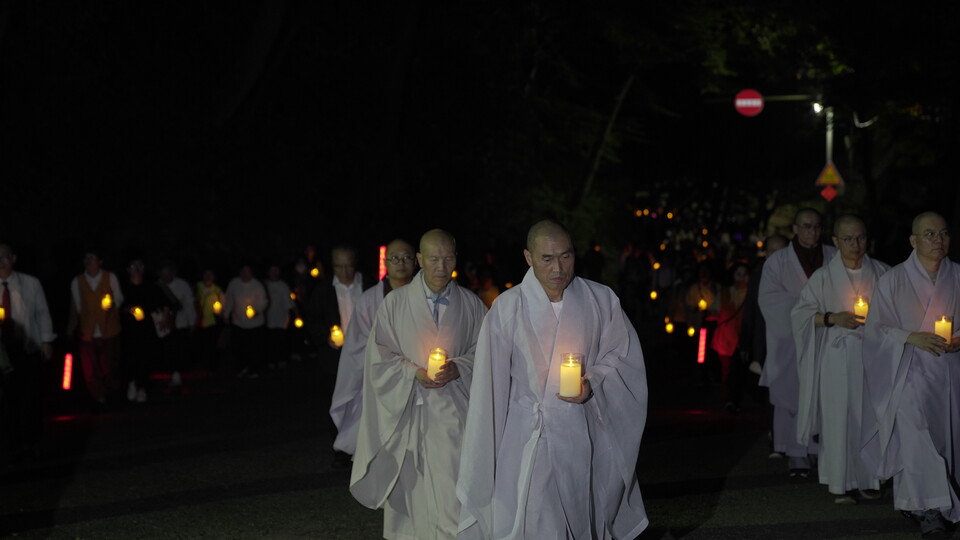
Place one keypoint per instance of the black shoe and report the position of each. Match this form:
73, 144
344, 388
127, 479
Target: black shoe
799, 473
932, 525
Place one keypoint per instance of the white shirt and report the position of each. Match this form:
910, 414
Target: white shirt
347, 296
28, 308
187, 314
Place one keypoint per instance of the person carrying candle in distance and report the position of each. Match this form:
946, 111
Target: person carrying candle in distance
327, 318
95, 321
911, 419
828, 330
408, 445
784, 274
348, 394
535, 463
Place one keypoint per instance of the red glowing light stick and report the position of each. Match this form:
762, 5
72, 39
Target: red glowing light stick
702, 347
67, 370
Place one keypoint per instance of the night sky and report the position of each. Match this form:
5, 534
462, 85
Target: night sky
208, 133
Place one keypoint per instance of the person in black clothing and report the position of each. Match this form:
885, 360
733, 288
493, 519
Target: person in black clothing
145, 309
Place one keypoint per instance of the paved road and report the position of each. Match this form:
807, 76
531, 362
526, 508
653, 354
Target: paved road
231, 458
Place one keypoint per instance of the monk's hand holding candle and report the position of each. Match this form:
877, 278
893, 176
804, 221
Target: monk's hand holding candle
585, 392
932, 343
448, 372
846, 320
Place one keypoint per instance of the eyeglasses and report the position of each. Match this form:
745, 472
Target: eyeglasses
399, 260
930, 236
854, 240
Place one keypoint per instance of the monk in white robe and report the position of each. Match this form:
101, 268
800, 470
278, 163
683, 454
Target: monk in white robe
829, 337
784, 275
347, 395
408, 446
535, 464
913, 379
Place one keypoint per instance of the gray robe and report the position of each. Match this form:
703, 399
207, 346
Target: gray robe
534, 466
912, 426
830, 367
408, 445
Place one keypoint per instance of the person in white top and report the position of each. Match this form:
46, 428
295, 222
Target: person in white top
540, 460
828, 330
26, 332
174, 346
347, 397
331, 304
784, 274
278, 318
408, 445
245, 303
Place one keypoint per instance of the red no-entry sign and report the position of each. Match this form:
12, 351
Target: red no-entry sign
748, 102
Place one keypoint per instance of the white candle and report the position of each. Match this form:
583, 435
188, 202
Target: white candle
861, 307
570, 373
336, 335
944, 328
438, 357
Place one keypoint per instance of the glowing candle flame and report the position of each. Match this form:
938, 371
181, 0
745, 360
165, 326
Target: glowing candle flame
3, 314
137, 313
860, 308
336, 335
691, 331
438, 357
217, 307
251, 313
653, 295
106, 302
669, 328
298, 322
314, 272
293, 296
702, 304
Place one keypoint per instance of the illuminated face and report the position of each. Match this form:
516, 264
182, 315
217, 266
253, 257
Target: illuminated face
851, 240
931, 239
807, 229
438, 258
400, 261
552, 261
7, 258
344, 266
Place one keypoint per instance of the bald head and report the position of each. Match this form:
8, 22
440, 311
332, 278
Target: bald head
774, 243
918, 222
547, 229
435, 236
550, 254
845, 221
